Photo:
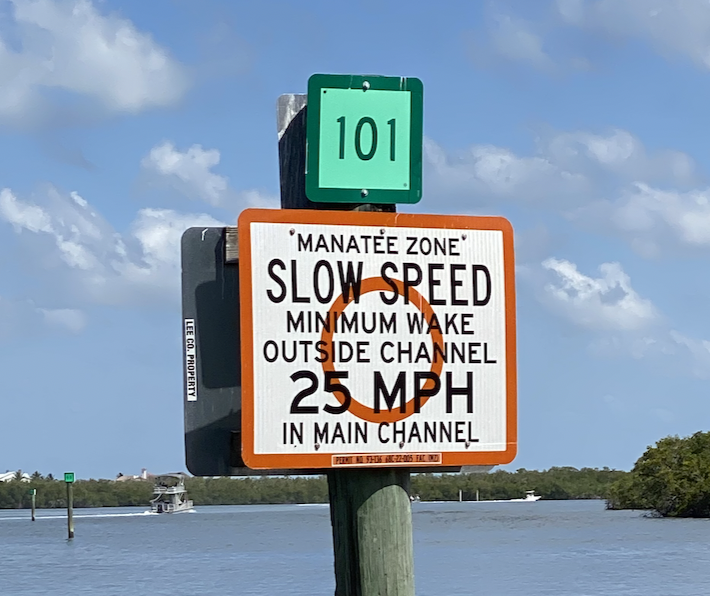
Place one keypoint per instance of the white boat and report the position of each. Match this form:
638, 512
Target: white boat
170, 494
530, 497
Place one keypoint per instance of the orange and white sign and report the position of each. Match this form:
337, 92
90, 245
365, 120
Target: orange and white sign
376, 339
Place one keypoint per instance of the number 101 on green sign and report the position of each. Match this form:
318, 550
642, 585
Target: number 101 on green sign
364, 138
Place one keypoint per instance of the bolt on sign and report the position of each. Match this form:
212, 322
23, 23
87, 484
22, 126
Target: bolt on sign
376, 339
364, 139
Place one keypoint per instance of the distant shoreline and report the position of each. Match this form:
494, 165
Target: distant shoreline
554, 484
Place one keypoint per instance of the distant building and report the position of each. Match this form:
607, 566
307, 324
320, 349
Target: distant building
144, 475
8, 476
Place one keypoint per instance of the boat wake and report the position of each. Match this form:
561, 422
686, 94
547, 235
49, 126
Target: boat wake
141, 514
89, 515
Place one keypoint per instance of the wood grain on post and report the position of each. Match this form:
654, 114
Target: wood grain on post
370, 509
372, 532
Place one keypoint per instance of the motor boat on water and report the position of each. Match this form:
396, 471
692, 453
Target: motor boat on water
530, 497
170, 495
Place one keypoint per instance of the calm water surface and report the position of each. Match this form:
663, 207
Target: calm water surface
552, 548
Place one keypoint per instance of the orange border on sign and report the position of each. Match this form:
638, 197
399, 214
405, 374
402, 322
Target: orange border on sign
375, 219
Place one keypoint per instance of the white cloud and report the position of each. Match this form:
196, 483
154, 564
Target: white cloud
572, 10
605, 182
687, 215
69, 45
188, 172
23, 215
665, 349
513, 39
88, 261
568, 170
699, 350
603, 303
486, 172
20, 317
654, 220
670, 26
622, 323
152, 266
618, 154
261, 199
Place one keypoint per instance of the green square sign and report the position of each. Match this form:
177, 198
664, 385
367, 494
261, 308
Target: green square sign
69, 477
364, 139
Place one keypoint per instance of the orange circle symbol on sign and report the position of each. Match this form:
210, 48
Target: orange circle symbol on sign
375, 284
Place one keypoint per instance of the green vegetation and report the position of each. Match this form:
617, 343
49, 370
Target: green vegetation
252, 491
671, 478
52, 493
555, 483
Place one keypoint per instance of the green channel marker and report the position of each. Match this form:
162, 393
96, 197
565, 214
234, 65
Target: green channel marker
364, 139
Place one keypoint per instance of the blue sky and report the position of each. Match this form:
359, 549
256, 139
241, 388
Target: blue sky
123, 123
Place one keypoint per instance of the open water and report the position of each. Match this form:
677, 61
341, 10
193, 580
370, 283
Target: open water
565, 548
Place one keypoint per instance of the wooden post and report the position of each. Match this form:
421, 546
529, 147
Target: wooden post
33, 494
371, 516
70, 510
370, 509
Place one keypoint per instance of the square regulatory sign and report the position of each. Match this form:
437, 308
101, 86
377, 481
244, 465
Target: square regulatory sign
376, 339
364, 139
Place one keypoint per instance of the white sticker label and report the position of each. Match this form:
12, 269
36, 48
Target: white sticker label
190, 361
